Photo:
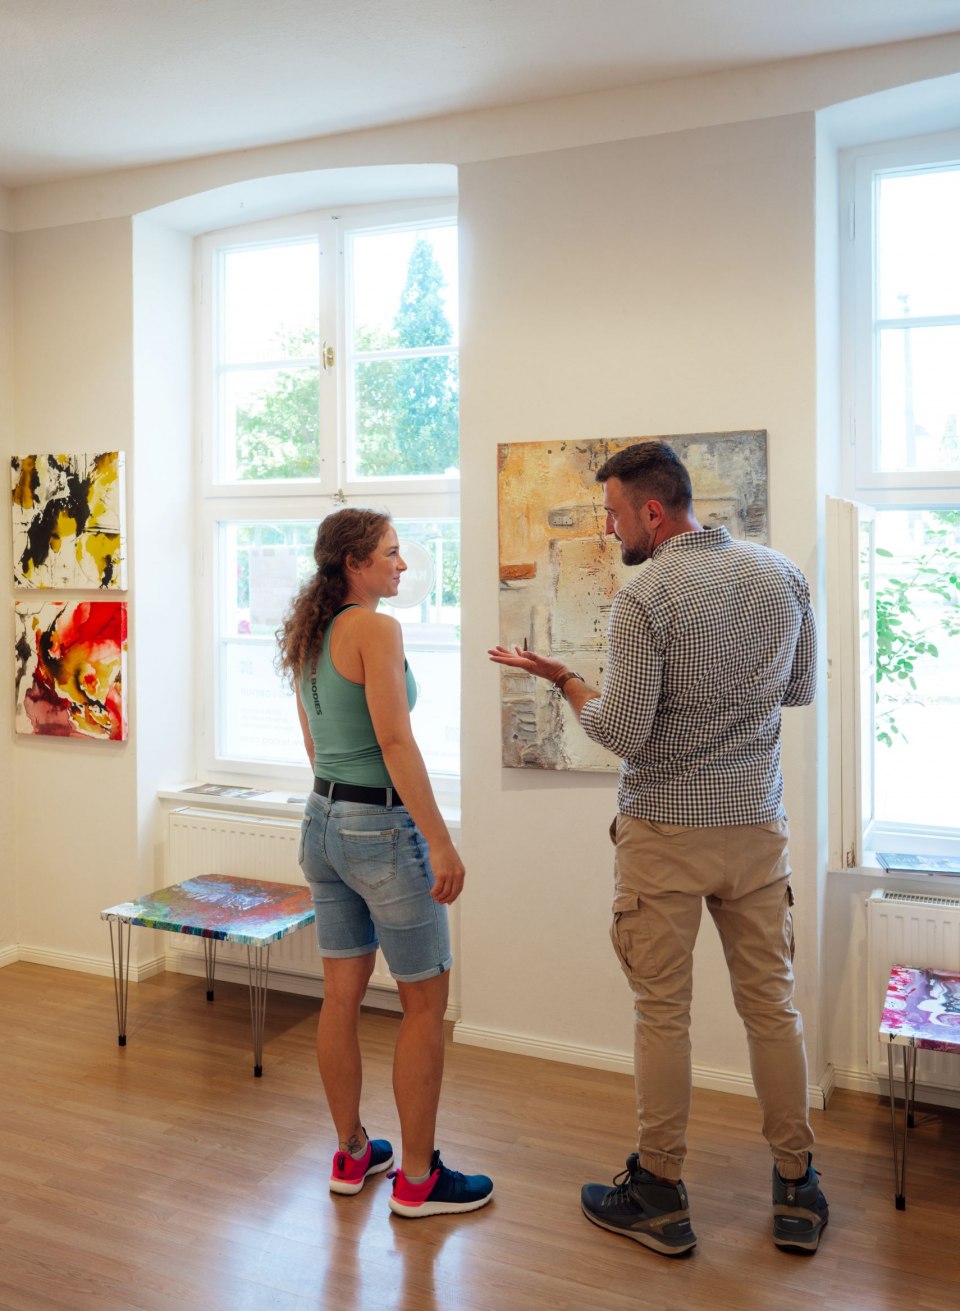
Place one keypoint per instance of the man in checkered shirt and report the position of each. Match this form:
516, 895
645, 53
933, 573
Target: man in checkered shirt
705, 646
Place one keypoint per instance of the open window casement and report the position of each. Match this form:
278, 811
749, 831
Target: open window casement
851, 652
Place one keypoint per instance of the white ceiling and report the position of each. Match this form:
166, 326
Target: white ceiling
90, 85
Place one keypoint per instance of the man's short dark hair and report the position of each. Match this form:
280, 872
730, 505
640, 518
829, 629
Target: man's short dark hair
651, 471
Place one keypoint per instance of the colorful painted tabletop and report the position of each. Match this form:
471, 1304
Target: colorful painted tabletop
922, 1009
222, 906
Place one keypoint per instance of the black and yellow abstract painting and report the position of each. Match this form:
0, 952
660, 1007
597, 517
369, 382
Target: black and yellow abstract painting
68, 520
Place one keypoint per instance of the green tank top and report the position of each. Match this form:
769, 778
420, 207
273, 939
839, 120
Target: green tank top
345, 747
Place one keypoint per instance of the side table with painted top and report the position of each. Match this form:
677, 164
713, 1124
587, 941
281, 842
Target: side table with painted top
921, 1012
216, 908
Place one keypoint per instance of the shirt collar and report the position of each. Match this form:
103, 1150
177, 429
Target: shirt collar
704, 540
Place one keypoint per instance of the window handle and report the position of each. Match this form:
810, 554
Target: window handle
326, 356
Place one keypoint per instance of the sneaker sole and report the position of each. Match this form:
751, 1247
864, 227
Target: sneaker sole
807, 1242
641, 1236
347, 1189
436, 1208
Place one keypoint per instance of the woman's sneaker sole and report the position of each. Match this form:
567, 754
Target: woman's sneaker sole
348, 1190
437, 1208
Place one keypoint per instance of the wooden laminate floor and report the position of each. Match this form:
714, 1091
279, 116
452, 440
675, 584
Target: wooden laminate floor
163, 1175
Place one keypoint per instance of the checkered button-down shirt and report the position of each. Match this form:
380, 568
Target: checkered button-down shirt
705, 645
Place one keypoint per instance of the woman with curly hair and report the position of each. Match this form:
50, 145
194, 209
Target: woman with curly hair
382, 870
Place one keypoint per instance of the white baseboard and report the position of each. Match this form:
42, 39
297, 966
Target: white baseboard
598, 1058
855, 1080
867, 1082
828, 1084
61, 960
185, 962
302, 985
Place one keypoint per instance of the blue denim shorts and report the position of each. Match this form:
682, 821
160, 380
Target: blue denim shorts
368, 869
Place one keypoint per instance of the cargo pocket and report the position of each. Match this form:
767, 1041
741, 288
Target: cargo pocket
789, 939
626, 932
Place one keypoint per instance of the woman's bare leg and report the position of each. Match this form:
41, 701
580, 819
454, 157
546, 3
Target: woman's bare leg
338, 1046
418, 1068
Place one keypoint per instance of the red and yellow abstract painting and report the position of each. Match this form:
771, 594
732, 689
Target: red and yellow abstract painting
70, 669
68, 520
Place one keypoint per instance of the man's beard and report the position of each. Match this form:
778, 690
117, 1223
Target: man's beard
633, 554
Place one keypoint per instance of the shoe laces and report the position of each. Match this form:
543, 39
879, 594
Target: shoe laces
620, 1192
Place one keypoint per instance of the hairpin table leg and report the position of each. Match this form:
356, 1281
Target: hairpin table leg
210, 963
258, 969
900, 1143
120, 957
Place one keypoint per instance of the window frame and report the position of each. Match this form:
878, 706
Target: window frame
861, 170
223, 501
854, 832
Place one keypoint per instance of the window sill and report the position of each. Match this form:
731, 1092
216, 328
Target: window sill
288, 804
872, 869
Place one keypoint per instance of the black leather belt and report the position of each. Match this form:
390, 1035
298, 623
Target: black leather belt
354, 792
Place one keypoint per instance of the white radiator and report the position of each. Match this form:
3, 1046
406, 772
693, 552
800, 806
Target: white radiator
256, 847
921, 931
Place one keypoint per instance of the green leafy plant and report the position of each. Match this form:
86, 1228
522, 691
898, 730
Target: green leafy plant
904, 636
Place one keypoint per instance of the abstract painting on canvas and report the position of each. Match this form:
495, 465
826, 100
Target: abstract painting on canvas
559, 572
68, 520
70, 661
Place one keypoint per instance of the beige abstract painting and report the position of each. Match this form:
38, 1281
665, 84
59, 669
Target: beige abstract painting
559, 572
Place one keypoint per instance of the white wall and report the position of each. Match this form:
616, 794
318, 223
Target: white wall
165, 471
642, 288
8, 829
75, 801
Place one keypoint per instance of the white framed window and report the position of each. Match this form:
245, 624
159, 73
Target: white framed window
895, 543
328, 376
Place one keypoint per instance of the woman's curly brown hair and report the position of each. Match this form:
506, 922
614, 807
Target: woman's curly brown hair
345, 533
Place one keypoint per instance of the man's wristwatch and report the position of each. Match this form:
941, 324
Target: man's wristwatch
565, 678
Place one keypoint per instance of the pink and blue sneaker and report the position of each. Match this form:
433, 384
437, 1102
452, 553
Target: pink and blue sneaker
348, 1174
443, 1192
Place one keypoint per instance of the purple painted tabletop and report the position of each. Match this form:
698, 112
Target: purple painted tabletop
222, 906
922, 1009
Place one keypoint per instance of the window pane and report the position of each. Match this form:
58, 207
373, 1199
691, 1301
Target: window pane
271, 302
404, 288
258, 719
918, 667
406, 417
270, 420
918, 247
919, 396
261, 566
431, 638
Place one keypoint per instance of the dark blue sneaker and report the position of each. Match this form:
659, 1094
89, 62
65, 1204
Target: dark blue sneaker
800, 1211
442, 1192
642, 1208
348, 1175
